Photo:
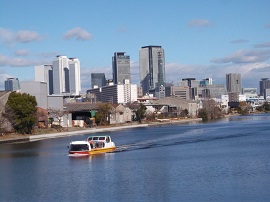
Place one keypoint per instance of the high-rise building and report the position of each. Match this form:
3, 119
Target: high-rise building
234, 86
44, 73
12, 84
74, 76
152, 68
62, 77
66, 75
234, 83
264, 84
120, 67
98, 80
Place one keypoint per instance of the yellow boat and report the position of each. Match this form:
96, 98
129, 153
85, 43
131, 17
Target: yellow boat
93, 145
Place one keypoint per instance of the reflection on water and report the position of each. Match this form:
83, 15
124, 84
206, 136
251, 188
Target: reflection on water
227, 160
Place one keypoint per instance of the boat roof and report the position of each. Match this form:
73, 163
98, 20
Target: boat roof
80, 142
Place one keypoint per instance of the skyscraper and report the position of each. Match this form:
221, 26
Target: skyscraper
60, 72
152, 68
264, 84
66, 75
63, 76
74, 76
12, 84
234, 83
234, 86
120, 67
98, 80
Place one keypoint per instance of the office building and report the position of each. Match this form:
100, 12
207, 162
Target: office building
116, 93
264, 84
206, 82
120, 67
62, 77
211, 91
74, 76
152, 68
98, 80
233, 83
181, 92
250, 92
12, 84
44, 73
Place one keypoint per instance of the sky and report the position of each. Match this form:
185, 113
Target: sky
200, 38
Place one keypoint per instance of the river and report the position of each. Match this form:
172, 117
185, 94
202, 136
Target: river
225, 160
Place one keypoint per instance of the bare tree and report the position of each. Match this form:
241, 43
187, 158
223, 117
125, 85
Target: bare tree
212, 109
57, 114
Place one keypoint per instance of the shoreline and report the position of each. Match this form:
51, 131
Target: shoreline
38, 137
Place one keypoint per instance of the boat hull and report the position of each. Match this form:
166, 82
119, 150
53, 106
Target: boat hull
92, 151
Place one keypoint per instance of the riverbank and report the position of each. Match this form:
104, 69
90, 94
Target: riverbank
17, 138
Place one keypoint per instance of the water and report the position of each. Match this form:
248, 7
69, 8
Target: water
227, 160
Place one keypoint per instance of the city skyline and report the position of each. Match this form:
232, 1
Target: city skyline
200, 39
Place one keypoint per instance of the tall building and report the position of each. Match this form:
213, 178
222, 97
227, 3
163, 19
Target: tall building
234, 83
120, 67
74, 76
98, 80
152, 68
44, 73
66, 75
12, 84
62, 77
264, 84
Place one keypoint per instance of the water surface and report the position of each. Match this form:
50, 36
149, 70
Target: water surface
227, 160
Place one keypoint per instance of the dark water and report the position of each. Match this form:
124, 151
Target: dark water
228, 160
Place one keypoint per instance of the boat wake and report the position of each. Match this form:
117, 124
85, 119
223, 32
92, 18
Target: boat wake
170, 141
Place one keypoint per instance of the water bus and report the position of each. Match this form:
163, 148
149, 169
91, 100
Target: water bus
92, 145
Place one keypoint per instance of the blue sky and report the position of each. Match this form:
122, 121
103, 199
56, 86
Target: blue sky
201, 38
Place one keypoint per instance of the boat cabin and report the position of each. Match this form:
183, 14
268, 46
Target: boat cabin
105, 138
76, 146
98, 141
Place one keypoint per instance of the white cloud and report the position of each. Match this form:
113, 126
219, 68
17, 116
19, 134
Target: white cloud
78, 33
6, 35
238, 41
244, 56
199, 23
122, 29
6, 61
21, 52
26, 36
262, 45
22, 36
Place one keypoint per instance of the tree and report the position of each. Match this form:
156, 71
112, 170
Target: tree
140, 113
21, 111
103, 114
203, 114
266, 106
57, 114
184, 113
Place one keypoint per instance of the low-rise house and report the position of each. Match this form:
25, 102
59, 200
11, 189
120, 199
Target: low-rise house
83, 113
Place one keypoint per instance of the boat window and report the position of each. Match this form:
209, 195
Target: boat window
107, 139
90, 138
95, 138
102, 138
79, 147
